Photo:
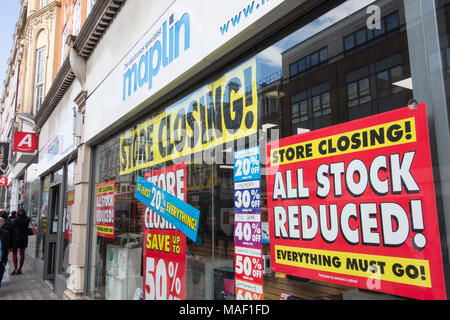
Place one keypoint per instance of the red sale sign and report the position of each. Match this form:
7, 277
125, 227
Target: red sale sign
25, 142
165, 246
354, 204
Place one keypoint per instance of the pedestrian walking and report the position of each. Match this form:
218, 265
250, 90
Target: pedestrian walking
4, 248
8, 225
12, 215
20, 239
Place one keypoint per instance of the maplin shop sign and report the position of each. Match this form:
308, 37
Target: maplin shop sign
221, 111
156, 56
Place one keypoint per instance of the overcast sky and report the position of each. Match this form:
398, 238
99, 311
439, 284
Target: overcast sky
9, 14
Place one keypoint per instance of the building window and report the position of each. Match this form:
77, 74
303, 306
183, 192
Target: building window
308, 62
299, 114
39, 78
321, 105
45, 2
388, 23
90, 5
77, 18
63, 43
386, 80
358, 92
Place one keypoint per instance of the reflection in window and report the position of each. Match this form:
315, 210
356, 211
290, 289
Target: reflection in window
358, 92
386, 80
309, 61
360, 37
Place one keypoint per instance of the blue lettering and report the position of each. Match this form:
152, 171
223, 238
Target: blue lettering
162, 53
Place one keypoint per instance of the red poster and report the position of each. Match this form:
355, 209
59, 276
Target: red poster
354, 204
165, 246
68, 215
105, 209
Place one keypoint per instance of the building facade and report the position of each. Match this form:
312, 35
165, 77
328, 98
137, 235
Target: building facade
182, 94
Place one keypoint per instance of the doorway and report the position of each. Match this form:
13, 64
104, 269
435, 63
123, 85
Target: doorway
51, 238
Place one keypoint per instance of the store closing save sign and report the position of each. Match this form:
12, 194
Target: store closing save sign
354, 204
164, 245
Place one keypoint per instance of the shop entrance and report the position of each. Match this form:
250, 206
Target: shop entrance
52, 233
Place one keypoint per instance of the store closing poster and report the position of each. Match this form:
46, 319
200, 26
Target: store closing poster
354, 204
164, 245
105, 209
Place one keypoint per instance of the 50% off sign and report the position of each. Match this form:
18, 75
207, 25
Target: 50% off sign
162, 281
248, 264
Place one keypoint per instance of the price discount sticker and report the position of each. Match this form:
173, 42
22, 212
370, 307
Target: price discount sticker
248, 264
247, 165
177, 212
248, 291
247, 196
247, 230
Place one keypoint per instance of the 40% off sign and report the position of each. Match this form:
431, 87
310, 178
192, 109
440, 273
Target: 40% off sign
162, 281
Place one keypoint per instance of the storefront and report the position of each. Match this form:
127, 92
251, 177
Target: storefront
230, 126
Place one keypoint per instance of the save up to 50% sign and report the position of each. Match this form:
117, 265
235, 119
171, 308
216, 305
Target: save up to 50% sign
162, 282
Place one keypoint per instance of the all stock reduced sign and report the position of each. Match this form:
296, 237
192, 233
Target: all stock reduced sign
354, 204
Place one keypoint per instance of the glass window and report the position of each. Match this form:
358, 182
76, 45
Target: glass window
69, 201
361, 37
116, 262
43, 227
294, 69
302, 65
76, 18
39, 78
349, 42
392, 21
314, 59
323, 55
378, 32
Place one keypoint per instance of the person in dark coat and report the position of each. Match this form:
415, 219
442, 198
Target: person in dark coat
4, 244
20, 239
8, 226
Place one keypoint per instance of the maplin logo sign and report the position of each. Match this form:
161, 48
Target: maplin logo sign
158, 56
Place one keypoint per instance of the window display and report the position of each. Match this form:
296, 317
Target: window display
254, 235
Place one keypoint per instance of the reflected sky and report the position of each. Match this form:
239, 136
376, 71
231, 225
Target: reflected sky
270, 59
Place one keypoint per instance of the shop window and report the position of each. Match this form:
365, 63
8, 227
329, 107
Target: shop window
69, 200
116, 266
358, 92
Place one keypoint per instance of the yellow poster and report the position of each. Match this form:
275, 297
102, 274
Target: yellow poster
221, 111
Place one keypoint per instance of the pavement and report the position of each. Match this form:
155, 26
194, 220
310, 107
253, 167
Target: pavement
26, 286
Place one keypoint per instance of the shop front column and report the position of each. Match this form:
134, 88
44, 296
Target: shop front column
77, 255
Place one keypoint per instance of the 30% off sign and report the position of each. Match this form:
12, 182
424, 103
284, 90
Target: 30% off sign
162, 281
247, 196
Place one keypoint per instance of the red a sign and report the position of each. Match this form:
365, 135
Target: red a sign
3, 181
25, 142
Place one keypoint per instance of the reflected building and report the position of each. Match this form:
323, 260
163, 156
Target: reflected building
347, 71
